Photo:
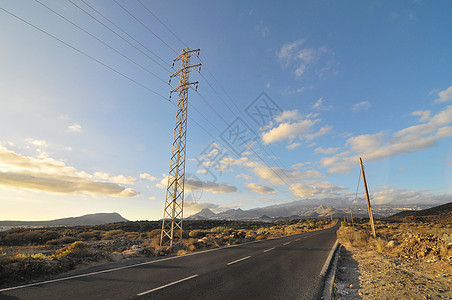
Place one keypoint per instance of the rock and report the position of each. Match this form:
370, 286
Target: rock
392, 244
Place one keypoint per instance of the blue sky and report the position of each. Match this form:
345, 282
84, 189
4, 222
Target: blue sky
86, 125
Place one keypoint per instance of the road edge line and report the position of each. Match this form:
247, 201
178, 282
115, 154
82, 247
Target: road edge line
148, 262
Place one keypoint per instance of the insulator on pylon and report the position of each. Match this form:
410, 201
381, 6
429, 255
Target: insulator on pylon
172, 65
169, 81
199, 69
196, 89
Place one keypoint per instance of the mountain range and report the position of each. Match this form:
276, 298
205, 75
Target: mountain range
300, 210
85, 220
291, 210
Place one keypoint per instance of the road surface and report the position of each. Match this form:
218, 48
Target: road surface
283, 268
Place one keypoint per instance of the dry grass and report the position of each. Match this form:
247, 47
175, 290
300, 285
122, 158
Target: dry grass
349, 236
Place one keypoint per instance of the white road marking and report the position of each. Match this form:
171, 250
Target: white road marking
286, 243
269, 249
144, 263
297, 240
236, 261
167, 285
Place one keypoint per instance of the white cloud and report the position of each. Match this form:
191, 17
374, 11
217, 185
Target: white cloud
195, 184
293, 125
288, 115
316, 189
327, 150
293, 146
280, 176
116, 179
285, 54
148, 177
388, 194
297, 166
444, 95
319, 105
274, 175
423, 114
364, 105
322, 131
260, 189
74, 128
377, 146
39, 143
244, 176
214, 188
289, 131
46, 174
301, 59
267, 85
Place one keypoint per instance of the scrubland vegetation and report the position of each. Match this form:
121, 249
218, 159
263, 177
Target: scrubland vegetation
411, 240
27, 254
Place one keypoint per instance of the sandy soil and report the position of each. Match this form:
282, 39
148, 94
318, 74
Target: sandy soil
368, 274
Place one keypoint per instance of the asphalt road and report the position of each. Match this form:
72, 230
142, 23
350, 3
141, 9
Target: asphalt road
284, 268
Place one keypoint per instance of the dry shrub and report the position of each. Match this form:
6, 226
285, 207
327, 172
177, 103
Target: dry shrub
197, 234
191, 245
445, 251
76, 249
380, 244
132, 235
154, 234
260, 237
352, 237
113, 234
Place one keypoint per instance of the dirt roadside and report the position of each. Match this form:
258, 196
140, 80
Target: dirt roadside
368, 274
407, 260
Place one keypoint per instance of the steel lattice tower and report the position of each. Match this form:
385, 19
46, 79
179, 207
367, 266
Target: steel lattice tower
173, 210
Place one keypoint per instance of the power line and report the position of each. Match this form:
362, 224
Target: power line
93, 36
167, 28
123, 75
219, 115
83, 53
219, 142
215, 91
118, 35
123, 31
144, 26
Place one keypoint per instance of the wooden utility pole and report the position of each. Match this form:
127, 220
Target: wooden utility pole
369, 208
351, 216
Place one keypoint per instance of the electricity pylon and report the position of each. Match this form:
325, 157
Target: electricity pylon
173, 210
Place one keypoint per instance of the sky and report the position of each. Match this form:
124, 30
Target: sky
290, 95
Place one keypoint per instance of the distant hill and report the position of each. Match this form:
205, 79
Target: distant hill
204, 214
444, 210
85, 220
